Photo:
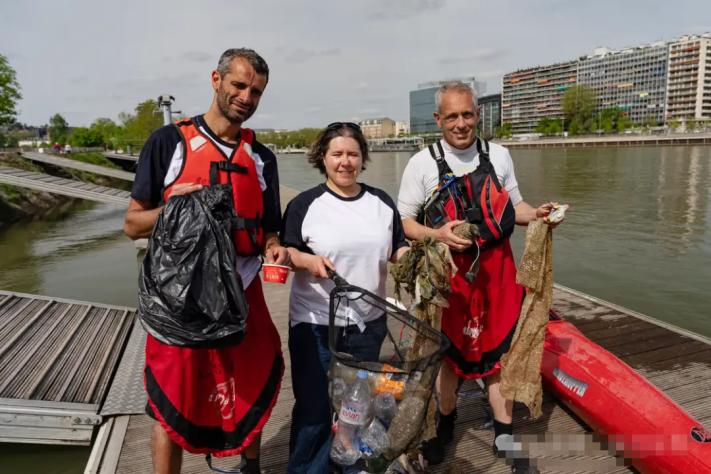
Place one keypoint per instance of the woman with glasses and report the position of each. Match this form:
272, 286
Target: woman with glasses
353, 229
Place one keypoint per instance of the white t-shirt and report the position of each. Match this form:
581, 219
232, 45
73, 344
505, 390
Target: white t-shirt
420, 178
358, 234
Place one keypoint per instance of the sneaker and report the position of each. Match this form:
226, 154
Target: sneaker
506, 447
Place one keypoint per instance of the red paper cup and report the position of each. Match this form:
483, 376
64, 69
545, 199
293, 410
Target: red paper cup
275, 273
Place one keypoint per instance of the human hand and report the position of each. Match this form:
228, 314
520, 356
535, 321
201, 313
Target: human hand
556, 215
446, 235
544, 209
277, 255
316, 265
184, 188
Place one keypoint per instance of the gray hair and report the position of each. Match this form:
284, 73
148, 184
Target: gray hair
456, 86
255, 60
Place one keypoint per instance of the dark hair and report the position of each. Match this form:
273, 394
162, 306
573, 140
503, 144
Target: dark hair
255, 60
319, 147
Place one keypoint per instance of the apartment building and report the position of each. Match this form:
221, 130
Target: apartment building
378, 128
632, 79
689, 78
529, 95
490, 114
402, 129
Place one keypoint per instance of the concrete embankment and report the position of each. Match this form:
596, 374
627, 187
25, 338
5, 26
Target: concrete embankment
611, 141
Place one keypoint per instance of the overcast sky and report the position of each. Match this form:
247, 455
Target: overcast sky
329, 60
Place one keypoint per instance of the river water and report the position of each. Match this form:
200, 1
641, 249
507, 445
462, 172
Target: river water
638, 234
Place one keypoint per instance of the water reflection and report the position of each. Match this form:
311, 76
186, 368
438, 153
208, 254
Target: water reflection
682, 197
637, 231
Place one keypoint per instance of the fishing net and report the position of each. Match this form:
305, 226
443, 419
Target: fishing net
401, 368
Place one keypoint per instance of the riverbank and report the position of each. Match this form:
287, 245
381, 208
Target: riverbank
20, 204
610, 141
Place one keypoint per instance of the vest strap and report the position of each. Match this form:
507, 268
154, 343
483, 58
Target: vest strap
216, 166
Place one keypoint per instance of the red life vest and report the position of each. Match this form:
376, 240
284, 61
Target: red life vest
475, 197
205, 163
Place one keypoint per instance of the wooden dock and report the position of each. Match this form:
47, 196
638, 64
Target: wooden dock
63, 186
78, 165
57, 359
121, 157
677, 362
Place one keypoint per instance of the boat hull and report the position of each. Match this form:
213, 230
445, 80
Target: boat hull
637, 419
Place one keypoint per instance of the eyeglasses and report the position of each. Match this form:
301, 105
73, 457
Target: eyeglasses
337, 125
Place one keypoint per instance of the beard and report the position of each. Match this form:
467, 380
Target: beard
234, 116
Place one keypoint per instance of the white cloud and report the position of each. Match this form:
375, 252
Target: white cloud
328, 60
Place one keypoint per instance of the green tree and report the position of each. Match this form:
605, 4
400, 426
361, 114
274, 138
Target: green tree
504, 131
9, 92
86, 137
549, 126
613, 119
674, 124
108, 130
578, 105
137, 127
58, 129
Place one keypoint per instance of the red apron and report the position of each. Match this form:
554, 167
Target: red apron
482, 316
217, 400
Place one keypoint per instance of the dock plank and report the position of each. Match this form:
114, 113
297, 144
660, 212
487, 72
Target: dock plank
57, 358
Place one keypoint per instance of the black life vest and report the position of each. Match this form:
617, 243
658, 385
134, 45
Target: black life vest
475, 197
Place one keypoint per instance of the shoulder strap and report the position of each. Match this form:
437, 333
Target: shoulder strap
482, 147
438, 155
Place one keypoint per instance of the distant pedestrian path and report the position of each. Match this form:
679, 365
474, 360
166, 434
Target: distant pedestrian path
78, 165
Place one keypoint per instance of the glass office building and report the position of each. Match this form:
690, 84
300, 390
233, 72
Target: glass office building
422, 105
490, 117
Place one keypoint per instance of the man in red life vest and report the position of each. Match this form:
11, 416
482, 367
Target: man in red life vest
224, 417
482, 315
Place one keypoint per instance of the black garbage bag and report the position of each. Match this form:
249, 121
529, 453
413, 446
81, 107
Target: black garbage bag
189, 291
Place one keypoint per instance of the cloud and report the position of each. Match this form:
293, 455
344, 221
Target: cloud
485, 54
191, 57
302, 55
403, 9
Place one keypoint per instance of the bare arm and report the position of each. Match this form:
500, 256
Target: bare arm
314, 264
416, 231
274, 252
141, 216
525, 213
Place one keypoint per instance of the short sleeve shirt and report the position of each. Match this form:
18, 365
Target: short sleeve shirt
420, 178
160, 163
358, 234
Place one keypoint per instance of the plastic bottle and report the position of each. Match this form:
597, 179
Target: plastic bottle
385, 407
337, 388
355, 413
374, 439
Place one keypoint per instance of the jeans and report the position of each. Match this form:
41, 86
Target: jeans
310, 437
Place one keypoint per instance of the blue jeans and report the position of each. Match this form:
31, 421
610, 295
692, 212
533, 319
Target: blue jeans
310, 440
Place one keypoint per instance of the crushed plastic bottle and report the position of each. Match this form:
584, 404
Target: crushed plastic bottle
374, 439
385, 407
406, 423
355, 413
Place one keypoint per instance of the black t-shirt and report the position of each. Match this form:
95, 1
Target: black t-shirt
157, 154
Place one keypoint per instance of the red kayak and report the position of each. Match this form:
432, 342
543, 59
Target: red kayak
655, 434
